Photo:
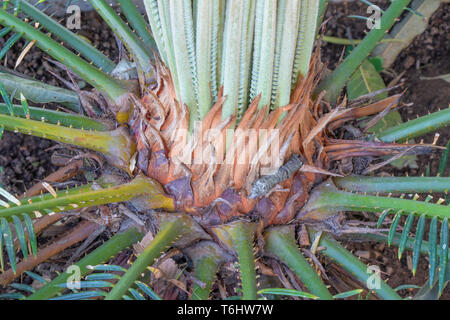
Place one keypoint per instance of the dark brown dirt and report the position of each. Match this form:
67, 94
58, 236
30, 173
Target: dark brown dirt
25, 160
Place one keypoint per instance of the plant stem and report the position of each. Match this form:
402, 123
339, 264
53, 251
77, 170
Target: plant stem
137, 21
86, 197
241, 235
113, 88
207, 257
417, 127
102, 254
338, 78
311, 12
352, 264
232, 46
116, 145
327, 200
204, 41
87, 50
39, 92
136, 47
264, 51
393, 184
56, 117
280, 242
163, 239
348, 42
181, 26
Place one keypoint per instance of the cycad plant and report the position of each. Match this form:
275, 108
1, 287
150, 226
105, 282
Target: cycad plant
226, 143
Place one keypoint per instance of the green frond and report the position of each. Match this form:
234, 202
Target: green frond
12, 296
443, 164
393, 226
5, 31
432, 239
36, 277
81, 295
7, 100
205, 54
20, 232
207, 256
68, 37
232, 48
23, 287
102, 276
418, 242
56, 117
245, 56
147, 290
295, 36
102, 254
113, 88
350, 293
168, 234
344, 258
10, 43
238, 235
434, 250
396, 185
281, 8
9, 243
156, 24
280, 242
287, 292
31, 233
334, 83
116, 145
39, 92
405, 234
108, 268
417, 127
95, 286
326, 199
415, 244
183, 43
144, 191
137, 48
137, 21
88, 284
443, 246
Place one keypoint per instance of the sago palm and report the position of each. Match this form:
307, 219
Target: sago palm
226, 144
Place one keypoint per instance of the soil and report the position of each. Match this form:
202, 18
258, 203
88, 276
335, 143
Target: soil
24, 160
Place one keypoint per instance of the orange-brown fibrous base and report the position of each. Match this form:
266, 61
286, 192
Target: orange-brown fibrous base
217, 189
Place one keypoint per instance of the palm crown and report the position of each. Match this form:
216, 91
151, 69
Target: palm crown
227, 134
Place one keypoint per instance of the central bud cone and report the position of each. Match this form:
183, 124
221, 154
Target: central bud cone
211, 169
